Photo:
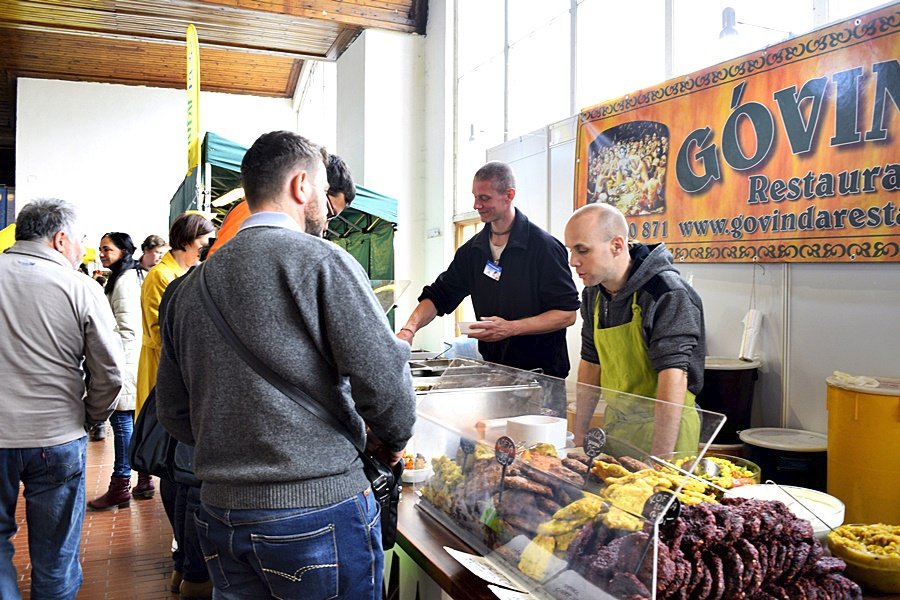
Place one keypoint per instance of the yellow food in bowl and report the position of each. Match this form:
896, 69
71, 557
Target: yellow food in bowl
872, 554
733, 471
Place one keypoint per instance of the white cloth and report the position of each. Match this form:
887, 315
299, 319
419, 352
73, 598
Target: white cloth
861, 380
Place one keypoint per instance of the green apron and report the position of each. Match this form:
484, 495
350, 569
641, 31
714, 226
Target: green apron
624, 366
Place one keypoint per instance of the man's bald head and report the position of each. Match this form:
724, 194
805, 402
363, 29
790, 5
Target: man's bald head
606, 220
597, 237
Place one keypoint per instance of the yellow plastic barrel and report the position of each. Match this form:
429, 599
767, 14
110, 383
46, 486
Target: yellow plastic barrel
864, 449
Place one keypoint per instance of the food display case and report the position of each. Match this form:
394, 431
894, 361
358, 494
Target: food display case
613, 518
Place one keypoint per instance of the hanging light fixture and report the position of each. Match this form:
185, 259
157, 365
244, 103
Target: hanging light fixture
728, 23
729, 20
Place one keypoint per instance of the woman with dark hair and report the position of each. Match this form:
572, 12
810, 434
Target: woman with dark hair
123, 291
188, 236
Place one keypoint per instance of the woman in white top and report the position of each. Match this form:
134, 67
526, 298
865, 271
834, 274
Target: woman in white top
123, 291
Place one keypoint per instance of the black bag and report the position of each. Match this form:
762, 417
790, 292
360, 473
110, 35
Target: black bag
384, 480
155, 452
386, 489
149, 446
180, 462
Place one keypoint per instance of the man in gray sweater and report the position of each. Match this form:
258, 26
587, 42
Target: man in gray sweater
284, 497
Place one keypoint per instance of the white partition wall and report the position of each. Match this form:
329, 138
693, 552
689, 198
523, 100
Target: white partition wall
119, 152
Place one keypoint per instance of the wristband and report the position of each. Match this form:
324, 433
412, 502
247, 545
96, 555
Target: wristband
408, 329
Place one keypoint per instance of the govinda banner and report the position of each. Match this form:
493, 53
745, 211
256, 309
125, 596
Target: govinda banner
789, 154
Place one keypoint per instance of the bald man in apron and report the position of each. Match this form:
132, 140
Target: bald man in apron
643, 334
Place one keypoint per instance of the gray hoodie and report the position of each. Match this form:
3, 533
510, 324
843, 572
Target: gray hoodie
672, 314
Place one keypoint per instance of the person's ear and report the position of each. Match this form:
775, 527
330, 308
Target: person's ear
59, 239
298, 193
511, 194
618, 245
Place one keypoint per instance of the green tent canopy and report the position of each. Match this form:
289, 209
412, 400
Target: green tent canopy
365, 229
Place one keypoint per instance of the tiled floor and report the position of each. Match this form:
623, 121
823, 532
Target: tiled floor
125, 552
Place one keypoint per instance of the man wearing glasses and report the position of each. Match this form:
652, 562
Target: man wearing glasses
341, 192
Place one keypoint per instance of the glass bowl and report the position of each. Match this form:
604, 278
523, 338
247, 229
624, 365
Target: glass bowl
748, 473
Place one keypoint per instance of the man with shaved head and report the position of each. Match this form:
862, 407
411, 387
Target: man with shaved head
643, 333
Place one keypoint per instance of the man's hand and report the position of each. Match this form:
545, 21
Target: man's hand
492, 329
380, 451
406, 334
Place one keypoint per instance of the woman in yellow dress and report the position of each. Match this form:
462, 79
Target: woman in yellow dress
188, 235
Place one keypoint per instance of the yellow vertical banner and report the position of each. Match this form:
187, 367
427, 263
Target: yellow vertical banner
193, 98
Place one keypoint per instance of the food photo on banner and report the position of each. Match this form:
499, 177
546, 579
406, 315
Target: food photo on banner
786, 154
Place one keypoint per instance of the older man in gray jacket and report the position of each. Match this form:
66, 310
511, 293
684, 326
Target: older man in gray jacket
284, 499
54, 322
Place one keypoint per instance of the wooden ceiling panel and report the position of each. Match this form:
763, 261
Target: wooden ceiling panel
58, 56
246, 46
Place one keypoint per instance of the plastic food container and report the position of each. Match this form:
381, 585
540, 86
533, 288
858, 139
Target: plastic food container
806, 504
864, 449
535, 429
723, 480
875, 572
728, 388
788, 456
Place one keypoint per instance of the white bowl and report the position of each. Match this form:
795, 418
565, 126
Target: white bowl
808, 504
415, 475
535, 429
465, 327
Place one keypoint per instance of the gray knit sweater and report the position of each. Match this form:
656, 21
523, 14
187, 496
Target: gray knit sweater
306, 308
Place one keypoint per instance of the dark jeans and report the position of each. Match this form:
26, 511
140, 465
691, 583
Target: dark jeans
181, 503
295, 553
54, 510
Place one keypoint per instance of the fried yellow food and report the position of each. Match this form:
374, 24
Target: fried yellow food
586, 508
630, 492
554, 528
536, 557
619, 519
563, 541
542, 448
603, 470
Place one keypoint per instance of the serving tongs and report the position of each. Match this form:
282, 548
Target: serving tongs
423, 366
692, 475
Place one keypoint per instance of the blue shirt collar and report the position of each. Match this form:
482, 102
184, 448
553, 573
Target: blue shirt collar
270, 219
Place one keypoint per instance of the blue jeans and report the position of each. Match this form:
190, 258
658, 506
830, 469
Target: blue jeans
54, 512
122, 422
310, 553
181, 503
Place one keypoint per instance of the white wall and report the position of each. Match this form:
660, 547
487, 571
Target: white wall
817, 318
119, 152
381, 133
315, 102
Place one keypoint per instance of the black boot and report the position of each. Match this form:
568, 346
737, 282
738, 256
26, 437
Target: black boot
98, 432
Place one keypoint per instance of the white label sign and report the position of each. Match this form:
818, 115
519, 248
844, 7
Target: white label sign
482, 569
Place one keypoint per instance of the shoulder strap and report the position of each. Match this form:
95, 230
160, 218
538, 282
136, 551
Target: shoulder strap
263, 370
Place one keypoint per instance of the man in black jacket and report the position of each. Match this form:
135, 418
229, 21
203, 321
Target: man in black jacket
521, 285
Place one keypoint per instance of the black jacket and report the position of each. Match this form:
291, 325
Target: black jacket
536, 278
